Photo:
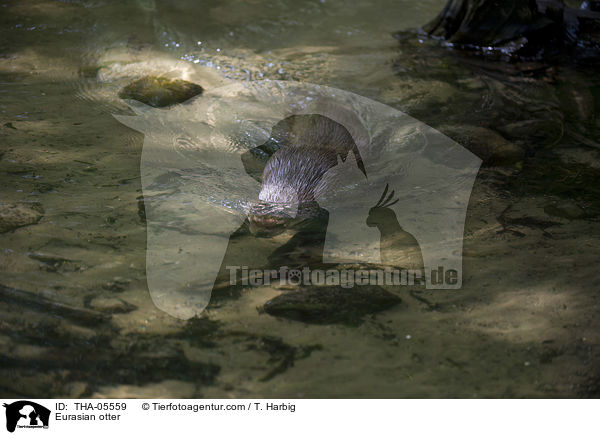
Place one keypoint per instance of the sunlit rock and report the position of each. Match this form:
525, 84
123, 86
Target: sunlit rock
160, 91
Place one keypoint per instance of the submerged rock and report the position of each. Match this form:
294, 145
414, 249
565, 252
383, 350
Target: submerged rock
548, 175
55, 263
111, 305
324, 305
413, 95
539, 131
159, 91
566, 209
13, 216
118, 284
488, 145
587, 157
527, 216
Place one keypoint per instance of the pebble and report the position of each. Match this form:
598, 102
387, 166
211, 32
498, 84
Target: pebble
157, 91
13, 216
580, 156
327, 305
118, 284
111, 305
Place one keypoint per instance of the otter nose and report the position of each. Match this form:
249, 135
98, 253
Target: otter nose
266, 221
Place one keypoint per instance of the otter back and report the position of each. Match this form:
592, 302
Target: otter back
299, 151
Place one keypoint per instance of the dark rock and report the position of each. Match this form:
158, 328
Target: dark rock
515, 27
541, 131
566, 209
160, 91
486, 144
282, 356
54, 263
582, 28
118, 284
549, 176
42, 304
325, 305
485, 23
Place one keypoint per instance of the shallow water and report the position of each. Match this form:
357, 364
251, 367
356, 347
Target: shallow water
524, 323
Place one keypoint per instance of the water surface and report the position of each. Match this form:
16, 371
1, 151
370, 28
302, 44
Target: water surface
523, 325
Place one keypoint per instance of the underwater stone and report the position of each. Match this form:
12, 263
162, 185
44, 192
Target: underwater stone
118, 284
587, 157
414, 95
159, 91
325, 305
488, 145
542, 131
566, 209
13, 216
111, 305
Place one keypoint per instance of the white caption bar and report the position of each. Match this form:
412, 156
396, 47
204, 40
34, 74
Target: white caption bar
249, 416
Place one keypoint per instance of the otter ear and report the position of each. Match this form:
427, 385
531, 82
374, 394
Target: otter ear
347, 162
353, 161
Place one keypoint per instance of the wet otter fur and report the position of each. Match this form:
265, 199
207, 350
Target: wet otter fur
290, 166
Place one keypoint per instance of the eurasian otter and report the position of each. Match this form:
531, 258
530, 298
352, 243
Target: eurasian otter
290, 166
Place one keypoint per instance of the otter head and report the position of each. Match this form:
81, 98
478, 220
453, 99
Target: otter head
275, 211
301, 149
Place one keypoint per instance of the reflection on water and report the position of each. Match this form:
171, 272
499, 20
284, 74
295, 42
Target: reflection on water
77, 319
